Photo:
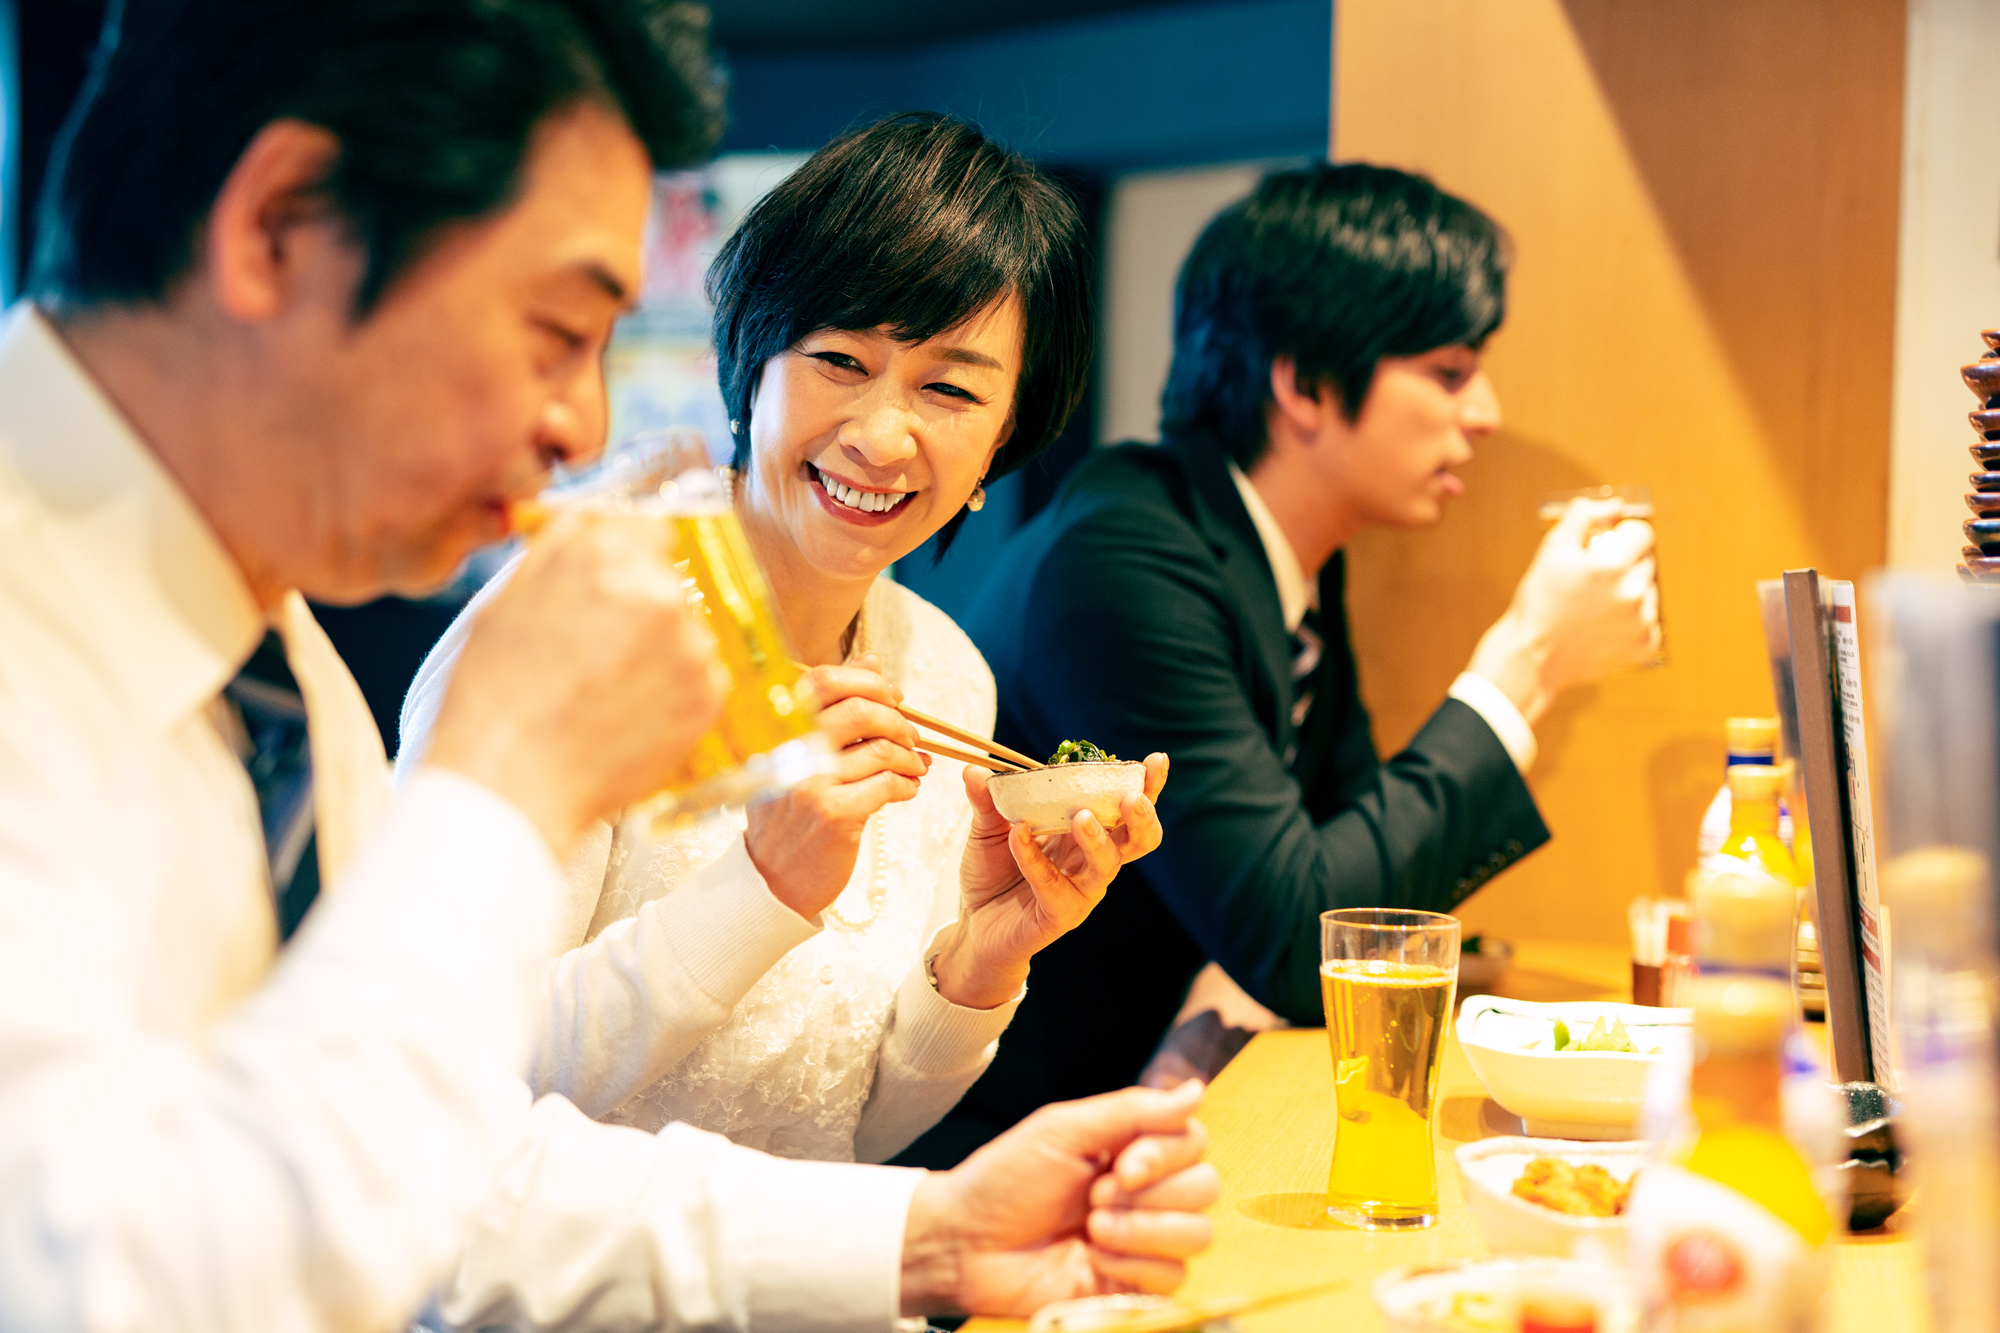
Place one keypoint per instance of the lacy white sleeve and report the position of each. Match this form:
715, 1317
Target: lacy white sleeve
933, 1051
628, 1006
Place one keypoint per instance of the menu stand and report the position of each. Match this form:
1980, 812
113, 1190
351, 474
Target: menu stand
1825, 690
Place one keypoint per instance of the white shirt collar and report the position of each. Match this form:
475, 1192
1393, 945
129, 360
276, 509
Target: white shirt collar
172, 618
1296, 593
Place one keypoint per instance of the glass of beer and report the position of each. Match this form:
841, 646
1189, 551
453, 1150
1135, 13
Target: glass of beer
1388, 977
767, 740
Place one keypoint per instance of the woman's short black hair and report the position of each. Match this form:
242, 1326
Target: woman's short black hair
913, 224
1335, 267
434, 103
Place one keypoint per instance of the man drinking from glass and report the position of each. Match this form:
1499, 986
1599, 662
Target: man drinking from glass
321, 290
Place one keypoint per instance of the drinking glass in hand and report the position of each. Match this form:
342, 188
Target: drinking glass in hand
1634, 501
767, 740
1388, 977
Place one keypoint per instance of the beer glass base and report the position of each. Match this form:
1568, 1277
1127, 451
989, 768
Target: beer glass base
1363, 1220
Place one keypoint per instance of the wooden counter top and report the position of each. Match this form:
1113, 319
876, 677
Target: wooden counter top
1270, 1117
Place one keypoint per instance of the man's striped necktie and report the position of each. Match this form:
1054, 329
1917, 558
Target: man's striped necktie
1307, 649
279, 759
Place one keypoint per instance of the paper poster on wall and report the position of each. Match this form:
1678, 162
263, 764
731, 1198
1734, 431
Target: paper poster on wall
660, 368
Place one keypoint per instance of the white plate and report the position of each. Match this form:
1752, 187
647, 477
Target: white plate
1566, 1094
1422, 1300
1512, 1225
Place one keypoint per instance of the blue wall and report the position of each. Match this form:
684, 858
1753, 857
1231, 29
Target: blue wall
1173, 86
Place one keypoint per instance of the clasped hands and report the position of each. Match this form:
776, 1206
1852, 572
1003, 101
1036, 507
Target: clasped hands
1017, 895
1099, 1195
1587, 608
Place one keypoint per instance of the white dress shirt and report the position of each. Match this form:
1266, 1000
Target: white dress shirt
197, 1132
1297, 594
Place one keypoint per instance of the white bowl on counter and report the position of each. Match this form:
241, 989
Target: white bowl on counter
1567, 1094
1046, 799
1485, 1295
1512, 1225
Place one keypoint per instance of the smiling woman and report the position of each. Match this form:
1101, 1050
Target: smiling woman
865, 439
921, 231
903, 318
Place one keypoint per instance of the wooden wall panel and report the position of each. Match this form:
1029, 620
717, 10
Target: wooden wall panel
1703, 196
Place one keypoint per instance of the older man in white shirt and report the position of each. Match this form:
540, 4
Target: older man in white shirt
326, 287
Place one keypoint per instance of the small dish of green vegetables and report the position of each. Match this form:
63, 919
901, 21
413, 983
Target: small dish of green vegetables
1078, 776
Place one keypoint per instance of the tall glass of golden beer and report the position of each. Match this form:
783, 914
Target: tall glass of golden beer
1388, 977
767, 740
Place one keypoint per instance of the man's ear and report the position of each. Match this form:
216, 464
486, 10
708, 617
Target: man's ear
1301, 407
254, 243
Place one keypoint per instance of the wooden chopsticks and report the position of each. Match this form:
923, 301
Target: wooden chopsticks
982, 753
988, 751
987, 761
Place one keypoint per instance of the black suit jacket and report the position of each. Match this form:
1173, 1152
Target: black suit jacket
1140, 612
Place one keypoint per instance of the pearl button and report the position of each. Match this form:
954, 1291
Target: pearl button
826, 974
799, 1104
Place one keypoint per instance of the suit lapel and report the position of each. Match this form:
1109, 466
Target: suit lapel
1223, 521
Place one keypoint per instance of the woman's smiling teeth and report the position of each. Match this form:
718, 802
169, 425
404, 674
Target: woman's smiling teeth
868, 502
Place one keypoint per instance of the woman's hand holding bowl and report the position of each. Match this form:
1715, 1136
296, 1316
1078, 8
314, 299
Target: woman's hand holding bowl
1019, 896
805, 842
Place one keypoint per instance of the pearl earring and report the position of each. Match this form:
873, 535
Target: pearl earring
735, 427
978, 500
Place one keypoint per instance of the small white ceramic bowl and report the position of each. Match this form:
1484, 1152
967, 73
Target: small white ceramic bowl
1045, 799
1566, 1094
1486, 1293
1512, 1225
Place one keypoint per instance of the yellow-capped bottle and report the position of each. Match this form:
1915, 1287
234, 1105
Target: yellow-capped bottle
1728, 1232
1749, 741
1753, 838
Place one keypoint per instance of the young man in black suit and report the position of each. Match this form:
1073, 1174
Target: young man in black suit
1188, 598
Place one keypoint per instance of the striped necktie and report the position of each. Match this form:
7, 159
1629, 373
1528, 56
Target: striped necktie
1307, 648
278, 757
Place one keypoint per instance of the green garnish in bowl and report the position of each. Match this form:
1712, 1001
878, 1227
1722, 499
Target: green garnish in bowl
1081, 752
1600, 1038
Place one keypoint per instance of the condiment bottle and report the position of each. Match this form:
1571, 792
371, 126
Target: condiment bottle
1662, 961
1554, 1313
1753, 825
1677, 965
1728, 1232
1751, 741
